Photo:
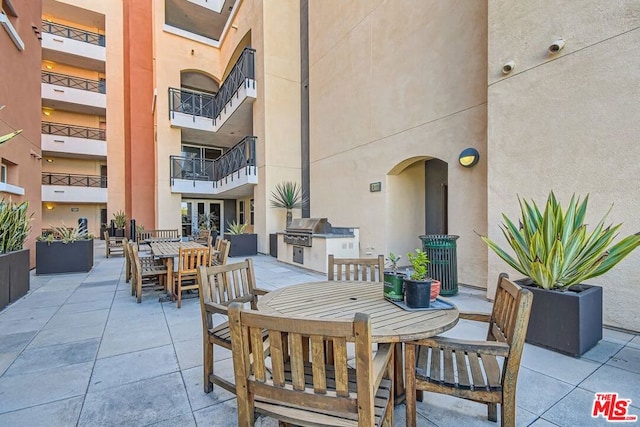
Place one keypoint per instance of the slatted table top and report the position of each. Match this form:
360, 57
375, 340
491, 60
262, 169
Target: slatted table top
171, 249
341, 300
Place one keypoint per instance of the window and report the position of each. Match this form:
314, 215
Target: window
241, 211
3, 173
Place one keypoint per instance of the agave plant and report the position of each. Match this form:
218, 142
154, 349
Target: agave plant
5, 138
555, 250
14, 225
236, 228
288, 195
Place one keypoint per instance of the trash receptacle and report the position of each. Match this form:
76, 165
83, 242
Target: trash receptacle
443, 265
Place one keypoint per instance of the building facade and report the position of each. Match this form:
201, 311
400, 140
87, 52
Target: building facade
210, 104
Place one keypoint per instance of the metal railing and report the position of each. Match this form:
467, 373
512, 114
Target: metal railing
73, 33
240, 156
73, 180
204, 105
60, 129
99, 86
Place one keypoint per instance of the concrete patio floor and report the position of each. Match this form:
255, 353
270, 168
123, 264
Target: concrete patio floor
78, 350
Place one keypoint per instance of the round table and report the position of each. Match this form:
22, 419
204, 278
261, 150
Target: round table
341, 300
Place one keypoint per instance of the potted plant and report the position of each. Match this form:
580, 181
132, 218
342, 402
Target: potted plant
393, 289
288, 195
419, 288
120, 222
15, 225
242, 243
65, 250
557, 254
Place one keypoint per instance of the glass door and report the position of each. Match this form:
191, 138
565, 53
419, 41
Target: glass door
200, 214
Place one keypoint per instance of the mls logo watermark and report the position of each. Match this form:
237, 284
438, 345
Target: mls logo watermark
612, 408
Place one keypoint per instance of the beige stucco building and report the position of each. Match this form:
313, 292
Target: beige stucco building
211, 104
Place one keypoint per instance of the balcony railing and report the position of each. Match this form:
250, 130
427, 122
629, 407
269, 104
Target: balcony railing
73, 180
99, 86
201, 104
240, 156
73, 131
73, 33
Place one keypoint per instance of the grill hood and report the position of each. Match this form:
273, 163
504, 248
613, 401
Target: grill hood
309, 226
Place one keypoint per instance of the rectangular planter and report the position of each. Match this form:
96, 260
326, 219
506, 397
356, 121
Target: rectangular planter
273, 245
14, 276
242, 244
58, 257
568, 322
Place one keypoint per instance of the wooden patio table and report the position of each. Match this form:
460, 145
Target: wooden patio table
341, 300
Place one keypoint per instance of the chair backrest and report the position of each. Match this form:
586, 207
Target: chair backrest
509, 322
223, 252
189, 259
289, 380
360, 269
127, 258
223, 284
136, 266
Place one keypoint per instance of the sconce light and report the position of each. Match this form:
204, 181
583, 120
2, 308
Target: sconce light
469, 157
508, 67
46, 111
49, 160
556, 46
48, 66
50, 207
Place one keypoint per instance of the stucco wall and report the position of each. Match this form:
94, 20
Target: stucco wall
393, 84
568, 122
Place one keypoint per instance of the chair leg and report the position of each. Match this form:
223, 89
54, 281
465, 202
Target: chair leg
410, 383
207, 364
139, 290
179, 292
508, 410
492, 412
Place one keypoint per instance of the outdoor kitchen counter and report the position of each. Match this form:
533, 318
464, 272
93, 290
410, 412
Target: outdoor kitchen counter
340, 244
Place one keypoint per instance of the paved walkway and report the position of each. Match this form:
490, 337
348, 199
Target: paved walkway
78, 350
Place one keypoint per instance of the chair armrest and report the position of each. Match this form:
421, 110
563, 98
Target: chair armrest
478, 317
259, 291
494, 348
210, 307
380, 362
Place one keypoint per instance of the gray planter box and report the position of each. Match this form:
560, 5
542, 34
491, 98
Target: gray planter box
58, 257
568, 322
242, 244
14, 276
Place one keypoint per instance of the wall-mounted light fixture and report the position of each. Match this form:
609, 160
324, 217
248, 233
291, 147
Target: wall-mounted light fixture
46, 111
50, 207
556, 46
508, 67
469, 157
48, 66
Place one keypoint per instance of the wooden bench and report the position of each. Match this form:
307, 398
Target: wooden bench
165, 235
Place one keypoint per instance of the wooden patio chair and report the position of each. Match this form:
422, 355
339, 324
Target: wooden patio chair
127, 263
443, 365
218, 287
358, 269
185, 275
113, 245
143, 269
222, 254
296, 385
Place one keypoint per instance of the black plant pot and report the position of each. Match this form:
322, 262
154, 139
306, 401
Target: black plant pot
242, 244
119, 232
417, 293
273, 245
568, 322
14, 276
58, 257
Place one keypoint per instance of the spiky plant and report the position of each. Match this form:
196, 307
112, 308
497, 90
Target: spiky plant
555, 250
5, 138
288, 195
15, 225
237, 228
393, 261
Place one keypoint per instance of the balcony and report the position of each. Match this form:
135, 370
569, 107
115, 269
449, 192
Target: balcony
60, 91
73, 46
73, 141
210, 113
72, 188
233, 174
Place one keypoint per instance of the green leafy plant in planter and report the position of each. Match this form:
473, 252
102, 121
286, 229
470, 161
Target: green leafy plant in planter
555, 250
417, 287
120, 222
242, 243
15, 225
65, 235
64, 250
288, 195
393, 280
236, 228
557, 254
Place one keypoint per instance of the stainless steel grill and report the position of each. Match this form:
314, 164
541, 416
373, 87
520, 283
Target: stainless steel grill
301, 230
